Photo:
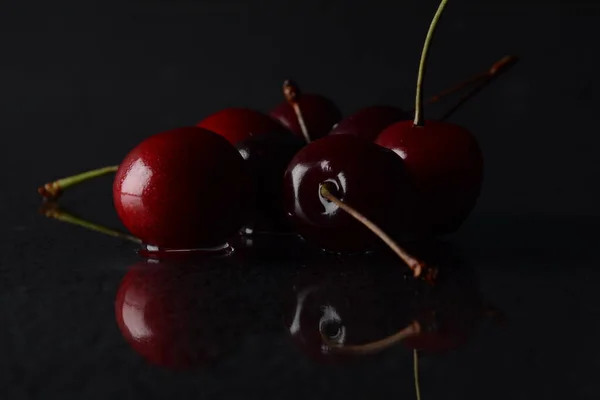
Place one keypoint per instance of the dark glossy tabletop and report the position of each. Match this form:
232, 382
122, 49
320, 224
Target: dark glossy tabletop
81, 84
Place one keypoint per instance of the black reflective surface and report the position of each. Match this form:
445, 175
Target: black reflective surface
83, 317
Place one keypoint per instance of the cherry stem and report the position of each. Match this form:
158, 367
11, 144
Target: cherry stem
53, 190
416, 373
419, 117
374, 347
53, 210
497, 69
415, 265
292, 92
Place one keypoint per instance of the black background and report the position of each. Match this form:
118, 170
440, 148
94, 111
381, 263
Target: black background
81, 83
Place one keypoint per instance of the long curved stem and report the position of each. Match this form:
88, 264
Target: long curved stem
497, 69
414, 264
52, 210
419, 118
53, 190
292, 92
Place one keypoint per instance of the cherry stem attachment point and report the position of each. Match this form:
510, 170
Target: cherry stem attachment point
53, 210
497, 69
373, 347
415, 265
292, 93
419, 117
53, 190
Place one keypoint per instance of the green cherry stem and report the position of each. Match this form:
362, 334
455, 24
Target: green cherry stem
497, 69
416, 373
53, 210
53, 190
417, 267
292, 92
419, 118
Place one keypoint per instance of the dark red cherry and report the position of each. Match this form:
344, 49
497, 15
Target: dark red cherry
367, 177
446, 165
181, 189
267, 157
267, 148
370, 121
320, 115
174, 314
443, 160
237, 124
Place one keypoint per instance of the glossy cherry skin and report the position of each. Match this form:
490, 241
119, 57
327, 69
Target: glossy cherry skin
320, 115
182, 189
172, 314
238, 124
446, 164
267, 148
370, 121
368, 177
267, 157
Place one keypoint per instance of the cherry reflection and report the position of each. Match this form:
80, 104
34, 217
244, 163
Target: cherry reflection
175, 314
360, 306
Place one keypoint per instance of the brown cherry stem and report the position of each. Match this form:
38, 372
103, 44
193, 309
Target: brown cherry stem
482, 78
292, 92
497, 69
419, 117
414, 264
53, 190
53, 210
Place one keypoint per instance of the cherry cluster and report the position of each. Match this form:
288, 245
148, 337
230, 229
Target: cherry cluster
346, 184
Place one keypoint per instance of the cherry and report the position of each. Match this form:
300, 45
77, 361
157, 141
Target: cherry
357, 172
369, 122
182, 189
175, 314
443, 159
239, 124
267, 157
303, 113
267, 148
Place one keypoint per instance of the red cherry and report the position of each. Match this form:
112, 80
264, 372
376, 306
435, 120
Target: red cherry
443, 160
237, 124
170, 313
370, 121
184, 188
366, 176
446, 165
319, 114
267, 148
